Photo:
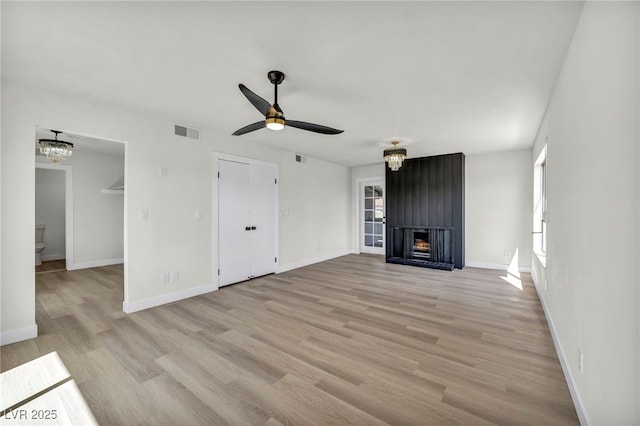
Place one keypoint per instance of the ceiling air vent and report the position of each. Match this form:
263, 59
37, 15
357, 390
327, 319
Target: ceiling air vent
187, 132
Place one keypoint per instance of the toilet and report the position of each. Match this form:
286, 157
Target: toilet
39, 243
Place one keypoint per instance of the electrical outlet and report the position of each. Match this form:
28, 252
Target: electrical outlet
581, 361
164, 278
507, 253
144, 215
175, 276
163, 171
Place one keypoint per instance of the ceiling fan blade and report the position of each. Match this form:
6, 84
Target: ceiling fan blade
258, 102
313, 127
250, 128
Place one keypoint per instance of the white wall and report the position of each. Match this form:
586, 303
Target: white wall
1, 209
317, 195
498, 207
315, 204
592, 299
50, 211
98, 218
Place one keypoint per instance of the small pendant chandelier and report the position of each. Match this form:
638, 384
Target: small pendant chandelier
394, 156
55, 150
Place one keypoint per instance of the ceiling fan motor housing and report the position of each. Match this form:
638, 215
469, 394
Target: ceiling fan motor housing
275, 77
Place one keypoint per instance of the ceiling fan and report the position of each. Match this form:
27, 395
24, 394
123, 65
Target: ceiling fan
274, 117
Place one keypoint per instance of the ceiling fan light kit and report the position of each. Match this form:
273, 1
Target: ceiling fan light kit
394, 156
274, 123
274, 117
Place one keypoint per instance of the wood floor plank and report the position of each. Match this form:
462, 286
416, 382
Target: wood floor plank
274, 357
499, 408
427, 407
246, 360
166, 391
125, 348
310, 357
386, 409
351, 340
320, 407
215, 395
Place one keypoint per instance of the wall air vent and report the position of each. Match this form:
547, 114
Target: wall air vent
187, 132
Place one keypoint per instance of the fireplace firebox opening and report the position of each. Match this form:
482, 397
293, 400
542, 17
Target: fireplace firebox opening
429, 247
421, 246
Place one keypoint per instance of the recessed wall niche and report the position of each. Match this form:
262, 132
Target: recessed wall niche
425, 212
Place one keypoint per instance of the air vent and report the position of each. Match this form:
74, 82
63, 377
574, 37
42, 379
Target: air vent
187, 132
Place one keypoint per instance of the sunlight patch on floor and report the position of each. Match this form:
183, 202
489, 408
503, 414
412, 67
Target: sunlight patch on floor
42, 391
513, 272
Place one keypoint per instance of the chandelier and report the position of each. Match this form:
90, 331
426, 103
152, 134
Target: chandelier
55, 150
394, 156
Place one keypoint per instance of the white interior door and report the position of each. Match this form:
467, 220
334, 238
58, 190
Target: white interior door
372, 217
247, 220
263, 219
234, 216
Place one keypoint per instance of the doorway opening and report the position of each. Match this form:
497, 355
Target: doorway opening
93, 232
54, 217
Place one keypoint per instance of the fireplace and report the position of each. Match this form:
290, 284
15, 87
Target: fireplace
426, 197
429, 247
421, 248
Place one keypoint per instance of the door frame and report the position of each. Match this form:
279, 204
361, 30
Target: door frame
360, 182
215, 204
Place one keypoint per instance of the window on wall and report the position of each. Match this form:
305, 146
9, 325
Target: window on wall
540, 172
543, 203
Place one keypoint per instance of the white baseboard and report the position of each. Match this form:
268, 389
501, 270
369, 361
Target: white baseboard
18, 335
307, 262
94, 264
573, 389
534, 278
497, 266
163, 299
46, 257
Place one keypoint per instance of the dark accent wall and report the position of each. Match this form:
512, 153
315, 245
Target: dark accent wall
429, 192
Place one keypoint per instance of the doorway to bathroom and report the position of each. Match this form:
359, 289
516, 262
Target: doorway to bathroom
54, 217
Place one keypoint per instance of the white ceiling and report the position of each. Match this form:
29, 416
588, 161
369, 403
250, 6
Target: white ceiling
441, 76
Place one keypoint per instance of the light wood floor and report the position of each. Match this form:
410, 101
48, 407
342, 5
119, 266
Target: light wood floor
348, 341
51, 266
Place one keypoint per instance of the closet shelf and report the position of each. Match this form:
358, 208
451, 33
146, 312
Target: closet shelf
112, 191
